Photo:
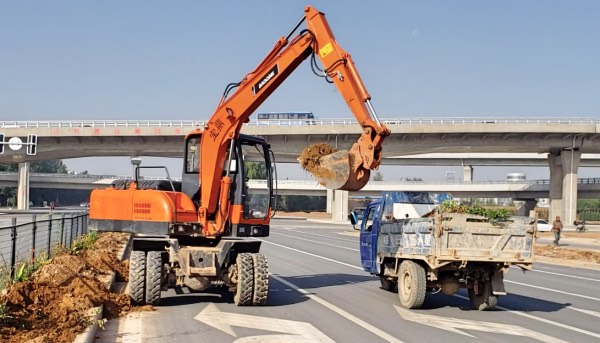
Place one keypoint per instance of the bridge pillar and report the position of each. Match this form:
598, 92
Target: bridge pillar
340, 206
329, 200
467, 173
524, 206
570, 164
563, 185
23, 187
556, 187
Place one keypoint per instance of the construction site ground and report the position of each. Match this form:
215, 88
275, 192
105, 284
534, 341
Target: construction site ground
54, 304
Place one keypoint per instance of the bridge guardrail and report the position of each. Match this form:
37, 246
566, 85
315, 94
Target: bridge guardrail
21, 242
291, 122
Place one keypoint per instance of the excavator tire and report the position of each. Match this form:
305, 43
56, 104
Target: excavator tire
485, 300
154, 267
412, 284
137, 277
261, 279
245, 280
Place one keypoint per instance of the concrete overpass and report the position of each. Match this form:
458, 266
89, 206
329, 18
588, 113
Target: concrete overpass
562, 141
524, 193
530, 189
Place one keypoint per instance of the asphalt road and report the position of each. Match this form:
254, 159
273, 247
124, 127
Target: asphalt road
319, 293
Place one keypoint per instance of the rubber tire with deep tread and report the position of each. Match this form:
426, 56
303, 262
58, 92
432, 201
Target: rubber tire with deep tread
154, 268
261, 279
245, 280
486, 300
412, 284
387, 284
137, 277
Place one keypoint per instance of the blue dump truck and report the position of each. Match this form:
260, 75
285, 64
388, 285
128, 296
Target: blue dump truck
411, 245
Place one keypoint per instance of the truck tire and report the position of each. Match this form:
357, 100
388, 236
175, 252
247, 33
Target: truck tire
137, 277
261, 279
245, 280
387, 284
412, 284
154, 268
485, 300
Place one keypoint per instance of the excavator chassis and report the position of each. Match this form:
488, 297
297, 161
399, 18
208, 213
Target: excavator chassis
158, 263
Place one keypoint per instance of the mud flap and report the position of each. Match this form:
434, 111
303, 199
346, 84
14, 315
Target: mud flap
498, 283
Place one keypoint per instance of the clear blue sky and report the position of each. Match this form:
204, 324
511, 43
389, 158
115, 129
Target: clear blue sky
172, 59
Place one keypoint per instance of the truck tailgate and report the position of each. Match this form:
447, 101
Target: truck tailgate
468, 237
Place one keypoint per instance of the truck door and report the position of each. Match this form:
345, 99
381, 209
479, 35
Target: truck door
368, 238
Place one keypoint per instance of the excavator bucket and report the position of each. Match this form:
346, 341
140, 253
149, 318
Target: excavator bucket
340, 170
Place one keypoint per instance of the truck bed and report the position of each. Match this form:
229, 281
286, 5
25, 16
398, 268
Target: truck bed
452, 237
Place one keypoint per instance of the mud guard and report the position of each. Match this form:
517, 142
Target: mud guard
498, 283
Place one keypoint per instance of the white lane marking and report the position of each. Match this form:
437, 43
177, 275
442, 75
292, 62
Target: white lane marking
454, 324
540, 319
312, 241
313, 255
547, 321
553, 290
588, 312
298, 331
567, 275
336, 238
374, 330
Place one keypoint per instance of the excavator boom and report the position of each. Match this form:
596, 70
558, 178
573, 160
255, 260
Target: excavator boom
342, 170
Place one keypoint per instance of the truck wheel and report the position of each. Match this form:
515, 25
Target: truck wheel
154, 268
387, 284
261, 279
412, 284
137, 277
245, 280
485, 300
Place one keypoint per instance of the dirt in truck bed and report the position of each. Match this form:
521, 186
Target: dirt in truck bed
53, 305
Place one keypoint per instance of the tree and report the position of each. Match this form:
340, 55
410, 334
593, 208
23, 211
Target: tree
256, 170
48, 166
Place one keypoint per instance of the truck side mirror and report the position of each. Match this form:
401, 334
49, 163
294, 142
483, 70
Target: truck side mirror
353, 219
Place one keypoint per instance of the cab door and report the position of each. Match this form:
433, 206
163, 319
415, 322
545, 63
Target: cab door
368, 238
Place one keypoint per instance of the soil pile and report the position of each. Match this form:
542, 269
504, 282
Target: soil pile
310, 159
568, 254
53, 306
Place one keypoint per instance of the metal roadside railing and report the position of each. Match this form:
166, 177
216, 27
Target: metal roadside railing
294, 122
26, 240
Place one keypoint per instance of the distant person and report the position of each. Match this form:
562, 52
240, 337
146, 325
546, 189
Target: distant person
557, 227
52, 206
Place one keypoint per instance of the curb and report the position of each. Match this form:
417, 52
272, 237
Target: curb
89, 334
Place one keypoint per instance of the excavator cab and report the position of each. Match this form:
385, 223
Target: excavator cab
248, 160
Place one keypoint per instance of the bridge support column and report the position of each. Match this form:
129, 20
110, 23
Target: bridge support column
524, 206
467, 173
570, 165
563, 185
23, 187
340, 206
329, 200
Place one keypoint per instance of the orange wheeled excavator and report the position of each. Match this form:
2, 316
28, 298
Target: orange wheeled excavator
191, 233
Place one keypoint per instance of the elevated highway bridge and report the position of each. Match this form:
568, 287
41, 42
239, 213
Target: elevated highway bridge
560, 141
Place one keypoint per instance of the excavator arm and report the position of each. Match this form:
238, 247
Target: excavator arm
347, 170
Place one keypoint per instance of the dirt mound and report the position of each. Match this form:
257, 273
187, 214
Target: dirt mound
310, 156
53, 306
568, 254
